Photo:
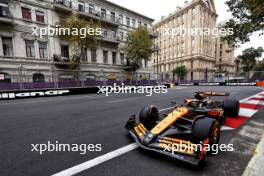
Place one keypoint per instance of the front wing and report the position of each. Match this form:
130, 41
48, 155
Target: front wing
162, 144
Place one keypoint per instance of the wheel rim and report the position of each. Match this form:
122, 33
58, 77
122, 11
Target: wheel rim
215, 134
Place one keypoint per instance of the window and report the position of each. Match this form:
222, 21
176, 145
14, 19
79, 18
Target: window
133, 23
146, 63
139, 24
4, 12
122, 58
104, 33
121, 35
114, 35
103, 13
193, 22
26, 13
93, 55
43, 50
38, 77
113, 18
91, 8
146, 26
40, 16
192, 43
121, 19
65, 51
7, 46
30, 48
128, 21
84, 54
105, 55
81, 6
114, 58
193, 12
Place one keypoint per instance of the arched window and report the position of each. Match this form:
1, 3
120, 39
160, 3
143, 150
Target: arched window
38, 77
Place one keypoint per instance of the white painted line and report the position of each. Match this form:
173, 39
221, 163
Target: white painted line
257, 102
180, 88
106, 157
233, 93
226, 128
96, 161
122, 100
248, 98
101, 159
258, 96
247, 112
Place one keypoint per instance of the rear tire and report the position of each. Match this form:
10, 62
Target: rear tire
231, 108
206, 128
148, 116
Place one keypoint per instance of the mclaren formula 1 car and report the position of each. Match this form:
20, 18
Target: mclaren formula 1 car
186, 131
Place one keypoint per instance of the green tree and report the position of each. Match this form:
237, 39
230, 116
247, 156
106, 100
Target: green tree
248, 58
248, 18
79, 38
138, 47
259, 71
179, 71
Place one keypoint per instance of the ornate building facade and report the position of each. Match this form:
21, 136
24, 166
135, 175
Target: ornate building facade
27, 58
202, 55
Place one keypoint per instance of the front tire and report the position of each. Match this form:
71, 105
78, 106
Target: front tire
231, 108
206, 128
148, 116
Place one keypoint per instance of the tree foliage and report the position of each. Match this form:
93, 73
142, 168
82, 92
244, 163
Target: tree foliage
76, 39
138, 46
248, 18
179, 71
248, 58
259, 71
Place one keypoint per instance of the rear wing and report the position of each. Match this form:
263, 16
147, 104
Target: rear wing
214, 93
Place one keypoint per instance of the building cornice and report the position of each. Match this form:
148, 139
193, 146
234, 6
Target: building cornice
179, 12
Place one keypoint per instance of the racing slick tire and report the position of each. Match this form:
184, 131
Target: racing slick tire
206, 128
148, 116
231, 108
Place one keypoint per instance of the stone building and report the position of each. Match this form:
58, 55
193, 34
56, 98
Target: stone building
201, 53
27, 58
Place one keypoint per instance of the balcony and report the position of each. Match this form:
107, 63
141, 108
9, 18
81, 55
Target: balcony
64, 6
153, 34
219, 63
64, 63
5, 15
98, 16
110, 38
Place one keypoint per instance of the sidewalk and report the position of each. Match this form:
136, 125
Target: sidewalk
255, 166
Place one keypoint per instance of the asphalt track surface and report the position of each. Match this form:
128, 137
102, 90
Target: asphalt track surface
97, 119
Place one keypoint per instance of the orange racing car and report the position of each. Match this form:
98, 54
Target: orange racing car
185, 132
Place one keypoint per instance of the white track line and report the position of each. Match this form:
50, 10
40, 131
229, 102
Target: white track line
96, 161
247, 112
226, 128
256, 102
106, 157
125, 99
